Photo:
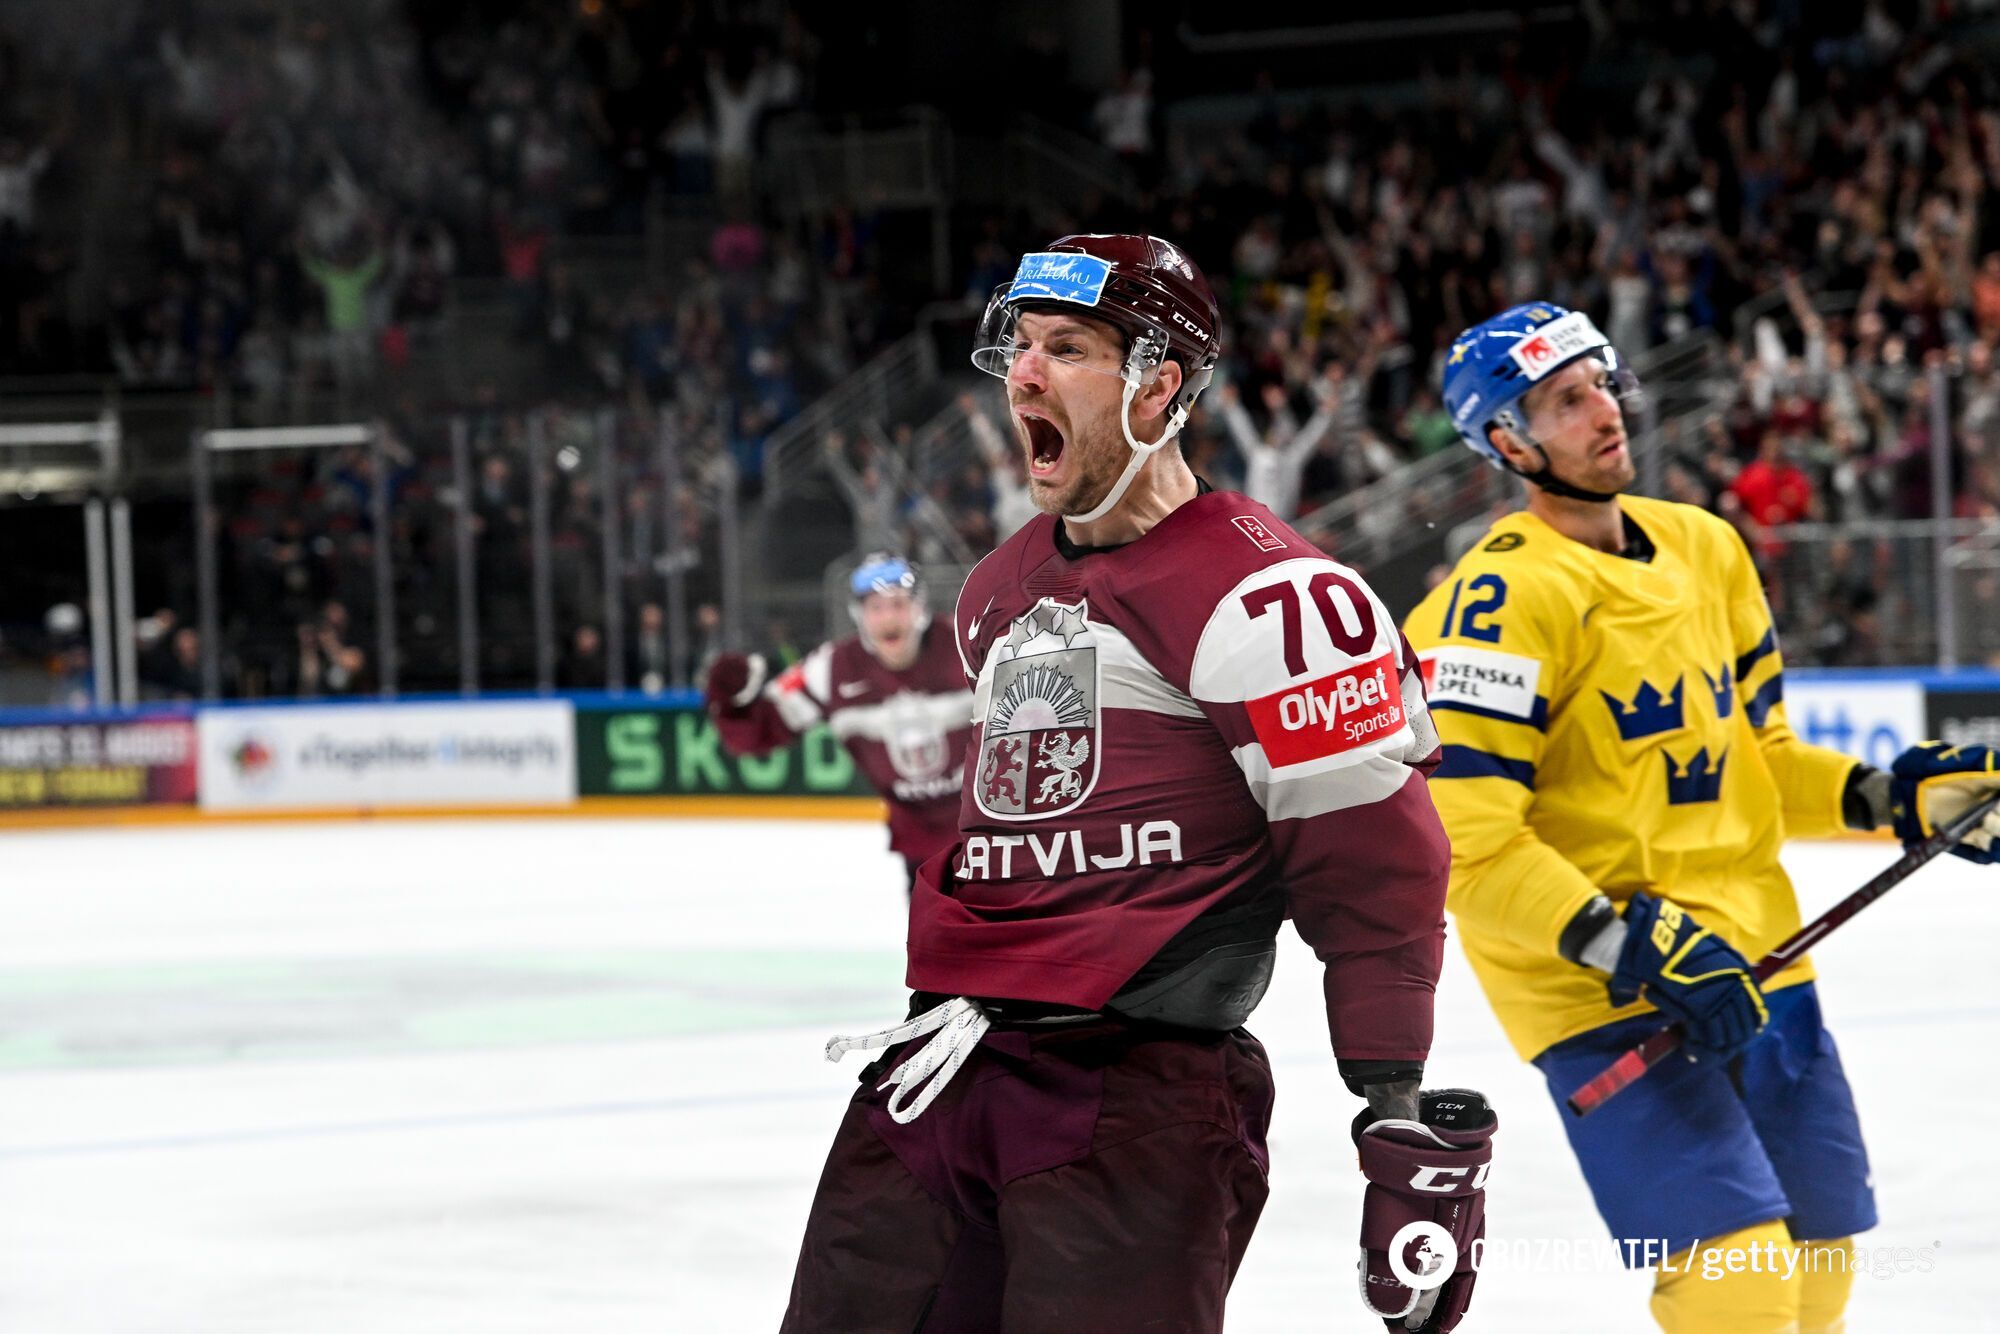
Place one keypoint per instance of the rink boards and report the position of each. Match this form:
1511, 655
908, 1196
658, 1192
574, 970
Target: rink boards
595, 754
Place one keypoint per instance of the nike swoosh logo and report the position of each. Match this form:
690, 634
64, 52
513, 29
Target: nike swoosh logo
972, 626
849, 689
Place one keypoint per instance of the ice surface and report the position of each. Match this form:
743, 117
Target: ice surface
566, 1075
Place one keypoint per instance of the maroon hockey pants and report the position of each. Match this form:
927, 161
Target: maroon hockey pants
1096, 1177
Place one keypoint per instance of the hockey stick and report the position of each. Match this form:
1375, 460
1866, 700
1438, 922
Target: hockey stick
1627, 1068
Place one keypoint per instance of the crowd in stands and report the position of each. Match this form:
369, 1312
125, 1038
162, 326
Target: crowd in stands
312, 195
313, 192
318, 181
1824, 209
306, 193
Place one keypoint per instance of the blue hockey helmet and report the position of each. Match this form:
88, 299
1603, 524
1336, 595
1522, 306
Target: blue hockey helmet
884, 572
1494, 364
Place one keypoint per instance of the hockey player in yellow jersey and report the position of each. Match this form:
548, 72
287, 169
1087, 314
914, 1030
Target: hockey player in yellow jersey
1618, 779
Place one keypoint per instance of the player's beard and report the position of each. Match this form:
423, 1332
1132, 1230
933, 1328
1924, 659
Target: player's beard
1594, 471
1615, 473
1094, 454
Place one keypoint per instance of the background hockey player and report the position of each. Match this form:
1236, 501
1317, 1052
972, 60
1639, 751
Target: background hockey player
892, 692
1618, 777
1190, 724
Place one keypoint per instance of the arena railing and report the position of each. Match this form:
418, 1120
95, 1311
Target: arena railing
1063, 164
77, 462
1775, 305
1382, 522
872, 393
1883, 592
557, 547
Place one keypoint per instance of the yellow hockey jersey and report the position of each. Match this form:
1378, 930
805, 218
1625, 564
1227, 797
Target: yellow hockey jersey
1612, 725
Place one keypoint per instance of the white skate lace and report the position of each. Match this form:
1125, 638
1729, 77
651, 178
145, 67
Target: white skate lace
959, 1024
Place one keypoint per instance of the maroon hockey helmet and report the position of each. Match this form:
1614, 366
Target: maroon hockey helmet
1145, 287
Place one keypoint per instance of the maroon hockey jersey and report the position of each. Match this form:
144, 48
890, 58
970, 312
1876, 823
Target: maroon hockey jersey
907, 731
1213, 712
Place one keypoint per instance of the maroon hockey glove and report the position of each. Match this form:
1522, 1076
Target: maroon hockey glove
1427, 1199
733, 681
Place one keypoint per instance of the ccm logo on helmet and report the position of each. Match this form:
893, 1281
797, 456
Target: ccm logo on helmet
1189, 325
1444, 1180
1333, 714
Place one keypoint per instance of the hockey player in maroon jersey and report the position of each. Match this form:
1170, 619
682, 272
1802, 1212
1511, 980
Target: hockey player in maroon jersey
892, 692
1191, 725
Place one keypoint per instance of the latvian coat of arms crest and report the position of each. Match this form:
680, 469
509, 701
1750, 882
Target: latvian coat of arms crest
1038, 754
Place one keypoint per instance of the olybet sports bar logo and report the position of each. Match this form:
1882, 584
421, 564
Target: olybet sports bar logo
1358, 700
1038, 754
1334, 714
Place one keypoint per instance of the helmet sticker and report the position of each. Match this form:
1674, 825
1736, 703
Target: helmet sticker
1553, 344
1056, 276
883, 572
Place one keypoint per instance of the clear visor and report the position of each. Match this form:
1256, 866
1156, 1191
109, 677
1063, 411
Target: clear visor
1075, 339
1624, 385
1561, 401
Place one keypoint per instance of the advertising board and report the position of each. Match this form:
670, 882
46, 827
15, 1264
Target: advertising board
652, 751
143, 761
1870, 720
382, 756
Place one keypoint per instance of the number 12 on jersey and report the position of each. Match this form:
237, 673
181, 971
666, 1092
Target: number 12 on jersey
1494, 591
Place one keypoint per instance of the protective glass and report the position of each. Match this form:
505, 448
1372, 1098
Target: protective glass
1001, 341
1553, 412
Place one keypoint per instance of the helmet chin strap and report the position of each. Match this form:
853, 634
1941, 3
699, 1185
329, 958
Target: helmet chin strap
1545, 477
1556, 486
1141, 450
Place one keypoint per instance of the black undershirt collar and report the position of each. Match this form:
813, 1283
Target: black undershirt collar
1638, 546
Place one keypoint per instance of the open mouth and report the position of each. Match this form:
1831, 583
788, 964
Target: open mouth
1045, 444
